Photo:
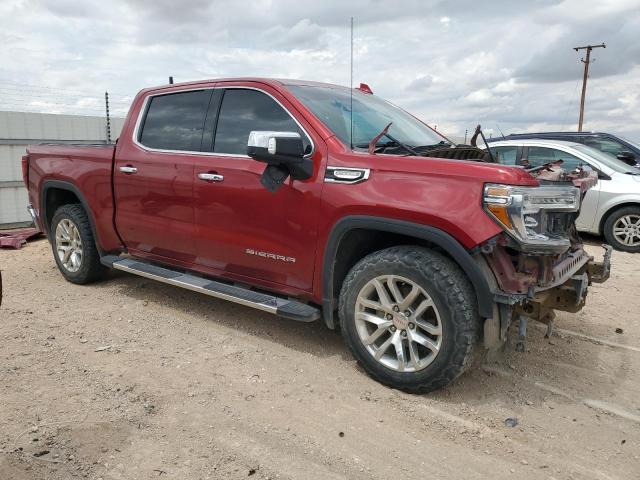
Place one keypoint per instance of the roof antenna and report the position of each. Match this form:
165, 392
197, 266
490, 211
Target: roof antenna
351, 88
500, 130
170, 80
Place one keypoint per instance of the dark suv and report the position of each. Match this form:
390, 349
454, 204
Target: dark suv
623, 149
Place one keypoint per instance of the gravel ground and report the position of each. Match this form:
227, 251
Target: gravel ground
130, 379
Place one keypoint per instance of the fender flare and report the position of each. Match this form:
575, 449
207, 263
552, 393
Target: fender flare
62, 185
433, 235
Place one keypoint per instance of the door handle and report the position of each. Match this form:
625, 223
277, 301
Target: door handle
128, 169
210, 177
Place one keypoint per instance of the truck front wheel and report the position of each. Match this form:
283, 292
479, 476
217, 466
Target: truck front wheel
74, 247
409, 316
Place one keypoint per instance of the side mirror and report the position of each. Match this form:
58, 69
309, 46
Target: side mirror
283, 152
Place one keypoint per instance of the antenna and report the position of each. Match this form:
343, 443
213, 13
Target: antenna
500, 131
351, 89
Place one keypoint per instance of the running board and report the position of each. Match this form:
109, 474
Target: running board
282, 307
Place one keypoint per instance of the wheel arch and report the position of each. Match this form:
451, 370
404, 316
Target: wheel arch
342, 246
56, 193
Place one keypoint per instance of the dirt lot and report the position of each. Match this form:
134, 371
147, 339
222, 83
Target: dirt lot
132, 379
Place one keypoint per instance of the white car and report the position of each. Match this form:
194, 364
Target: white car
611, 208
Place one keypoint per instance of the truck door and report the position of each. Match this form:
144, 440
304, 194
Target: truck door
241, 228
153, 176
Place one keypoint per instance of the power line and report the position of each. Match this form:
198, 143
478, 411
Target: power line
77, 114
48, 91
46, 103
566, 113
23, 86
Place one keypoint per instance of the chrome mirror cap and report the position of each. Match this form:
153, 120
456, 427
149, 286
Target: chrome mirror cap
268, 139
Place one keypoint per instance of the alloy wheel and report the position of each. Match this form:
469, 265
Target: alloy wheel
626, 230
398, 323
69, 245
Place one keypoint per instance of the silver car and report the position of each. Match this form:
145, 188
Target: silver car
611, 208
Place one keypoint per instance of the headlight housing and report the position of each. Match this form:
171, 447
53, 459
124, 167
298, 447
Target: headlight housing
537, 217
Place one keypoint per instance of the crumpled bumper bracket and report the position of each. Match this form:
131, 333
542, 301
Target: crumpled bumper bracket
599, 272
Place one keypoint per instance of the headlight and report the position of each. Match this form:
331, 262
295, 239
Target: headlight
534, 216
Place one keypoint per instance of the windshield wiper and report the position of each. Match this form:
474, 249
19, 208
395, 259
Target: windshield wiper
439, 144
385, 133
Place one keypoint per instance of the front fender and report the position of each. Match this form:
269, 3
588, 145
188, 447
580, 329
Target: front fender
423, 232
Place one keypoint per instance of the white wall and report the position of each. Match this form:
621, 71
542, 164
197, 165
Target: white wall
47, 126
18, 129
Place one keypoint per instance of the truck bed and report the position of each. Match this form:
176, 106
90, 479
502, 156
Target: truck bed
88, 169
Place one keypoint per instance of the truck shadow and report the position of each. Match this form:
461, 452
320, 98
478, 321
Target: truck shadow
313, 338
562, 368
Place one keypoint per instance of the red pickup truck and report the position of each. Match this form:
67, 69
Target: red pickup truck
311, 201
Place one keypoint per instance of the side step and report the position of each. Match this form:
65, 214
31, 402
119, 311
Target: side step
282, 307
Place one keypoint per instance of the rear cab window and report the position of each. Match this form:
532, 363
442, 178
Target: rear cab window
175, 121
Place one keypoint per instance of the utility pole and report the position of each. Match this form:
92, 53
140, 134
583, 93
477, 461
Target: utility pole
586, 62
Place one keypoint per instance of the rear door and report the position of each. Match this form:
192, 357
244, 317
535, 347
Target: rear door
153, 176
242, 229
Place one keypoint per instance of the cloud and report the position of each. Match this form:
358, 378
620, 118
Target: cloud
420, 83
614, 23
453, 63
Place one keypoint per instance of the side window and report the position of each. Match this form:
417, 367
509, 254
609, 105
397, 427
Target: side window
245, 110
505, 155
175, 121
540, 155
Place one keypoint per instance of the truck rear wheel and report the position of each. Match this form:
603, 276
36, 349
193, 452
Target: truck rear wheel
74, 247
409, 316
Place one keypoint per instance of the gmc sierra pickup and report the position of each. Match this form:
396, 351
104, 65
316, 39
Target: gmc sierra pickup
310, 201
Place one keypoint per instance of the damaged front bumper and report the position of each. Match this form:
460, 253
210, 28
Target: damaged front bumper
599, 272
536, 289
539, 264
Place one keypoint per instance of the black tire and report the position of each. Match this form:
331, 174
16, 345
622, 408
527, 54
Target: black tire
450, 291
611, 222
90, 268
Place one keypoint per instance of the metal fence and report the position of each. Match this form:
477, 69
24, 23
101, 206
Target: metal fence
19, 129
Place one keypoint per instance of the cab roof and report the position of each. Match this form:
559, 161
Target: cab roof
274, 82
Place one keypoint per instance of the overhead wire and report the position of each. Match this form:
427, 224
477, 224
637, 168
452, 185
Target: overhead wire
43, 99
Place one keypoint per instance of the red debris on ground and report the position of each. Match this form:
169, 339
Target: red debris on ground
17, 238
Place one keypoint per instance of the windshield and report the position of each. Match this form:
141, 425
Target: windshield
370, 116
607, 160
634, 144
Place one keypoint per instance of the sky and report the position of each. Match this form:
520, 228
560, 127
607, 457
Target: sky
507, 65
